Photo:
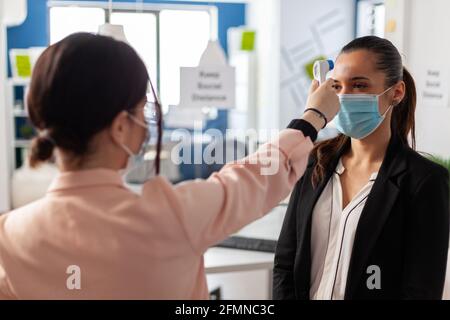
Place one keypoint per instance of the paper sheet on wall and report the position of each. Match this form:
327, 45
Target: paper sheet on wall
211, 84
434, 87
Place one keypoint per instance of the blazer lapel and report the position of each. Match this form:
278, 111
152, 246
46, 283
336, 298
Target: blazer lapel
375, 213
309, 198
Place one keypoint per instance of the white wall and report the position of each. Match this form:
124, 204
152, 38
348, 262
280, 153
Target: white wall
421, 34
12, 12
4, 143
264, 17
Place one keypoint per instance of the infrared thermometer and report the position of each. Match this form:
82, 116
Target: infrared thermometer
321, 68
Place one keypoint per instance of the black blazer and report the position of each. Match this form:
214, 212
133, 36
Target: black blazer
403, 229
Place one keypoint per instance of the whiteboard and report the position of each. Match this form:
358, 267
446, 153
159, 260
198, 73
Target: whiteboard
309, 29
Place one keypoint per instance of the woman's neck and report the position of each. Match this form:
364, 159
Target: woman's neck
73, 165
101, 159
372, 149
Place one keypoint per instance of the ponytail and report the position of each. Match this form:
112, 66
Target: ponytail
403, 115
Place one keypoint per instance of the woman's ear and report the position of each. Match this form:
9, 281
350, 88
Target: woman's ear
399, 92
119, 128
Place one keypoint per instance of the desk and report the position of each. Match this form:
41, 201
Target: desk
224, 260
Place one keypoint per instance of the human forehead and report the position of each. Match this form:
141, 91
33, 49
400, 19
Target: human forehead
356, 64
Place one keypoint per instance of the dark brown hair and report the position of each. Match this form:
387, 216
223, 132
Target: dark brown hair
389, 61
78, 87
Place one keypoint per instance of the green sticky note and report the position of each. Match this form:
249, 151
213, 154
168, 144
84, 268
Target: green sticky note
248, 41
310, 65
23, 65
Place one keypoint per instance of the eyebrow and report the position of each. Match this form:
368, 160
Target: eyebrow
355, 78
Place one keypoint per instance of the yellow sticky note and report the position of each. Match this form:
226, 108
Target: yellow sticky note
23, 65
391, 26
248, 41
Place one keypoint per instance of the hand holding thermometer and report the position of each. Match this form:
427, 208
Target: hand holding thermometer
321, 68
323, 101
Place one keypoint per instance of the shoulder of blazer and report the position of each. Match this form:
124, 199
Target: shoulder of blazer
420, 167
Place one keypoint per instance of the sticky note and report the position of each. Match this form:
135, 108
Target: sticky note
23, 65
391, 26
248, 41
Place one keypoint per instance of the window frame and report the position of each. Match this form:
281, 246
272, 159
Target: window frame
373, 4
153, 8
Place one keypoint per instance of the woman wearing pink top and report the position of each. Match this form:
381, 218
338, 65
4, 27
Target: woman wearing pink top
87, 100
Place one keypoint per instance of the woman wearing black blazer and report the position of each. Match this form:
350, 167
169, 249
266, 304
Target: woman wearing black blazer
370, 217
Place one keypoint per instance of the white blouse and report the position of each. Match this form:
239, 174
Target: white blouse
332, 235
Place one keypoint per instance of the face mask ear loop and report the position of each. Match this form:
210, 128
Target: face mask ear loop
127, 150
385, 91
386, 112
142, 124
137, 121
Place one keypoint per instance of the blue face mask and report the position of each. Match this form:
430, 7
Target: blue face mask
359, 115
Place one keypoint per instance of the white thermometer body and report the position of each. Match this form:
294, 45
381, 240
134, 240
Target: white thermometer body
321, 68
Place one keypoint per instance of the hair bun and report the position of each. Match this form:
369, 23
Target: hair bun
41, 150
